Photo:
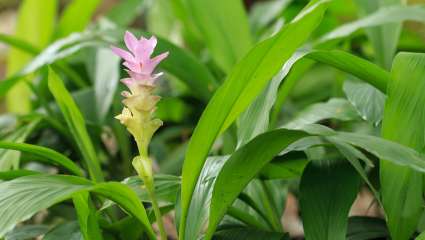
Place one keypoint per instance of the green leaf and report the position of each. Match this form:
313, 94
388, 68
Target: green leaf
107, 75
384, 38
365, 228
10, 175
188, 69
335, 108
262, 14
255, 119
327, 191
124, 12
341, 60
46, 154
248, 161
224, 26
287, 168
244, 233
128, 200
421, 236
353, 156
404, 115
76, 17
87, 217
368, 101
384, 149
18, 44
166, 187
76, 125
9, 159
354, 65
35, 25
27, 232
199, 206
23, 197
244, 165
244, 83
69, 230
56, 51
393, 14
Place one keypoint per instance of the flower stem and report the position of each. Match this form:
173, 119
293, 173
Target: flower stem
143, 166
151, 191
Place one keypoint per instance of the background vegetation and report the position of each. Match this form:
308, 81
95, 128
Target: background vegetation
282, 120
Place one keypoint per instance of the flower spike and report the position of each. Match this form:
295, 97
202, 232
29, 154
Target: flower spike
140, 105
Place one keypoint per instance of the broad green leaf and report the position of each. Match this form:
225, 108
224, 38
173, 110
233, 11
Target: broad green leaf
18, 43
124, 12
128, 200
46, 154
365, 228
199, 206
327, 191
421, 236
403, 122
188, 69
87, 216
23, 197
166, 187
10, 175
247, 79
354, 65
35, 25
389, 150
58, 50
76, 17
244, 165
384, 38
263, 14
224, 26
393, 14
245, 233
107, 75
9, 159
353, 156
335, 108
27, 232
341, 60
367, 100
246, 218
248, 161
287, 168
264, 202
76, 125
68, 230
255, 119
161, 20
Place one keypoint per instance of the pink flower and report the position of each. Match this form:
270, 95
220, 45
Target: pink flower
138, 60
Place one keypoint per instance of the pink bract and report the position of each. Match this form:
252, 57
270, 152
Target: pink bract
138, 59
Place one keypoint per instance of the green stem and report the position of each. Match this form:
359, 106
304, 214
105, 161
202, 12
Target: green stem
148, 180
143, 166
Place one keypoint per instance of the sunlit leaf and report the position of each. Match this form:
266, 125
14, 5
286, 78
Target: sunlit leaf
401, 187
243, 84
224, 25
76, 16
23, 197
76, 124
46, 155
327, 191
